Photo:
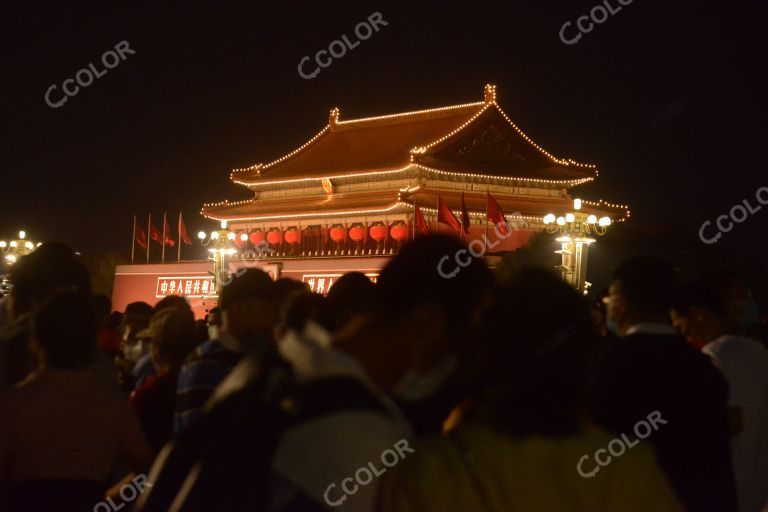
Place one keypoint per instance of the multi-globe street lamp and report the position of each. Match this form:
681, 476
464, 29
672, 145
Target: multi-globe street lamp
575, 229
221, 243
14, 249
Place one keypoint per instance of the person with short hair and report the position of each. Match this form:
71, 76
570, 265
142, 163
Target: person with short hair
247, 319
523, 443
652, 368
172, 335
61, 432
744, 364
50, 268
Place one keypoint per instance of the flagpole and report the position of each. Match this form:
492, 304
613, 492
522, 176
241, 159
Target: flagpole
437, 214
133, 240
487, 194
149, 235
413, 226
165, 223
178, 231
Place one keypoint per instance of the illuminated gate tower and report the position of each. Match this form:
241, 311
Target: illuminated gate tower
345, 199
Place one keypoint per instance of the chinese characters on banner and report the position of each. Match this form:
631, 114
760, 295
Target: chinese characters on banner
321, 283
203, 286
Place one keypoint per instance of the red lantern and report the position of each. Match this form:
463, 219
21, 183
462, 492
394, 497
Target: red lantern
357, 234
399, 232
338, 234
275, 236
257, 237
293, 236
378, 232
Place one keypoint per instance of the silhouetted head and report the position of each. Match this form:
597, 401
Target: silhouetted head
351, 295
641, 291
529, 363
51, 268
419, 319
64, 332
248, 306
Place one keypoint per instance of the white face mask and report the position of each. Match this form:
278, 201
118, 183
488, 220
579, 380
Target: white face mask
413, 386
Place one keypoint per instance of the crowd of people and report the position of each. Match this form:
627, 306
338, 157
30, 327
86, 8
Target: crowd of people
417, 393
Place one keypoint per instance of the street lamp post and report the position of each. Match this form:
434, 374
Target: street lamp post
14, 249
575, 230
222, 247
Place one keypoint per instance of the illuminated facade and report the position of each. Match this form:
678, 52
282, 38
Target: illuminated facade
346, 199
350, 192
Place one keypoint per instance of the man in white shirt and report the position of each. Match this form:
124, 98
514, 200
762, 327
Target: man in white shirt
744, 364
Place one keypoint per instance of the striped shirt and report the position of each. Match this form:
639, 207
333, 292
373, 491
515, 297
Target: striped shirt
204, 369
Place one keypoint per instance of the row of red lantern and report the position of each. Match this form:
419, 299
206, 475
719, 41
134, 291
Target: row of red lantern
337, 233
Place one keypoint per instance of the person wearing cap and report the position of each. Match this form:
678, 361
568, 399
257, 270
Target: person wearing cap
172, 335
248, 313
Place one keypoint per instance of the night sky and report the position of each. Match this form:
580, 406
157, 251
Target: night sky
667, 98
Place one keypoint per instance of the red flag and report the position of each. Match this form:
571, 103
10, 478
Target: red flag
167, 230
421, 224
446, 216
183, 231
496, 215
464, 216
155, 234
141, 237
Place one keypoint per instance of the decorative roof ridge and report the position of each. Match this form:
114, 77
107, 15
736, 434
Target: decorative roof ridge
571, 182
491, 102
262, 167
403, 116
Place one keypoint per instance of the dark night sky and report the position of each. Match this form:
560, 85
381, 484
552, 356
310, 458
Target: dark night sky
213, 87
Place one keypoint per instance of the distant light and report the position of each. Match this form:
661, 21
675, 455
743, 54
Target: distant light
591, 219
560, 221
549, 218
3, 244
29, 245
201, 235
14, 244
214, 235
22, 234
605, 221
569, 217
223, 224
231, 235
577, 204
244, 237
